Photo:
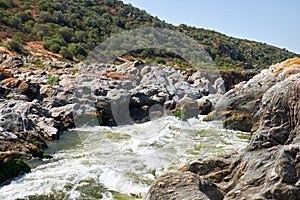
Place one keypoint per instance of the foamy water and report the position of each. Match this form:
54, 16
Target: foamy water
121, 162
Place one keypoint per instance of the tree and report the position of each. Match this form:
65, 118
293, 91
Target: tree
55, 48
58, 17
24, 16
15, 45
66, 53
77, 50
66, 33
15, 22
45, 16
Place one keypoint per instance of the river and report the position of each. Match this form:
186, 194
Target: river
120, 162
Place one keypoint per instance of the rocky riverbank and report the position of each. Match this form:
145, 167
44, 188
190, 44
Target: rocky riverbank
39, 99
269, 167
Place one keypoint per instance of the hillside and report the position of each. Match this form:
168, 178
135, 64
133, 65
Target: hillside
70, 29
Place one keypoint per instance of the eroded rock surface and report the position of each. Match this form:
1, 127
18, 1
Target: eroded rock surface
242, 102
39, 99
269, 168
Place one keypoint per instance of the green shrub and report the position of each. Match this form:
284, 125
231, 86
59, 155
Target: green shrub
38, 64
66, 53
55, 48
179, 114
159, 60
53, 80
15, 45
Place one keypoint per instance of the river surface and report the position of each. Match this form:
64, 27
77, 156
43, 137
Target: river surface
120, 162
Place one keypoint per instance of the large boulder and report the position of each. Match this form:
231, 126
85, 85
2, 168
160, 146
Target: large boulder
246, 98
269, 167
232, 78
11, 166
132, 92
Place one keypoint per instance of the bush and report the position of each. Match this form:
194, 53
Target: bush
159, 60
15, 45
15, 22
179, 114
66, 33
66, 53
53, 80
55, 48
38, 63
77, 50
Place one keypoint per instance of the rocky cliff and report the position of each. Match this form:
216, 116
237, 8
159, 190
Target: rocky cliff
269, 168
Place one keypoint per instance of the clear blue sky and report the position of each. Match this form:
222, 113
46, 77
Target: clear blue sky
276, 22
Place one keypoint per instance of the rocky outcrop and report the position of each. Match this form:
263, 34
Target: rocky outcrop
232, 78
134, 93
27, 119
185, 186
243, 102
269, 168
39, 99
11, 167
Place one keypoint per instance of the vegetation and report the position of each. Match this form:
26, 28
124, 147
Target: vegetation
74, 28
15, 45
37, 63
179, 114
53, 80
10, 168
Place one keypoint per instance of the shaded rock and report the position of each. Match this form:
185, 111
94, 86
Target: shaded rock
246, 97
5, 73
269, 168
14, 85
178, 185
213, 116
11, 166
232, 78
236, 120
204, 106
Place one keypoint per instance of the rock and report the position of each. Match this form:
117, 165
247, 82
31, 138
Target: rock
10, 83
277, 119
204, 106
5, 73
238, 120
11, 166
46, 127
183, 186
188, 106
127, 98
64, 115
232, 78
14, 62
26, 88
269, 168
246, 97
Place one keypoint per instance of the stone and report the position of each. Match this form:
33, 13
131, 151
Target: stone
269, 168
11, 166
5, 73
204, 106
183, 186
246, 97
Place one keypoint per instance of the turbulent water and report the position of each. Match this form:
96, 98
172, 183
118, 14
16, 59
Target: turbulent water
120, 162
